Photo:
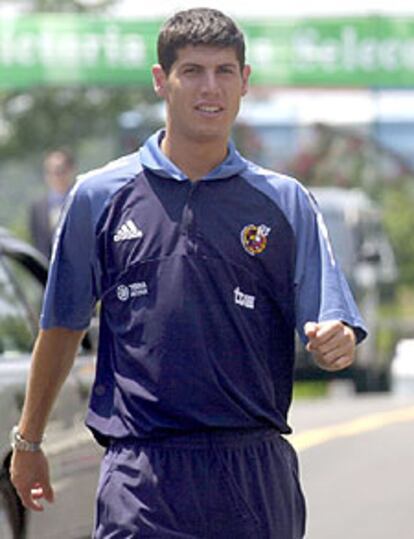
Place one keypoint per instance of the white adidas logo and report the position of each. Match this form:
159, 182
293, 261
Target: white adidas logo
128, 231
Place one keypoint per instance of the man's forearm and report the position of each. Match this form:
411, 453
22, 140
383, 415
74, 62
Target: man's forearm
53, 356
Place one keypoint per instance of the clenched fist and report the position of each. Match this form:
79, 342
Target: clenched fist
332, 344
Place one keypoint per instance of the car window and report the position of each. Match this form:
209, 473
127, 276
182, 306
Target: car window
16, 332
31, 288
342, 239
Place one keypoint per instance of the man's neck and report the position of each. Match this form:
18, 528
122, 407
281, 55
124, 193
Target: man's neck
194, 158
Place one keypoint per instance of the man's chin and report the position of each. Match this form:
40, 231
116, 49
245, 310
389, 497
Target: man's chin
209, 136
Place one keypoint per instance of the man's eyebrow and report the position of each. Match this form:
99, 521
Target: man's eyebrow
229, 64
191, 64
198, 64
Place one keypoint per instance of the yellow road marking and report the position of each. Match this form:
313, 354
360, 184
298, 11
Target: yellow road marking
311, 438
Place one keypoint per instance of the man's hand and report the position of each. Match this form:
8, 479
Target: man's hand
331, 343
29, 473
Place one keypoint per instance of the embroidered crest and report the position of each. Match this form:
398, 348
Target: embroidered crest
254, 238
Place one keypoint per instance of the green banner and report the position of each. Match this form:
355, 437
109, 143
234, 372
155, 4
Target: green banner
370, 51
66, 50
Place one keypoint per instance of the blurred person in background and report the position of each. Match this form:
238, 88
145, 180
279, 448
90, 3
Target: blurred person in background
204, 264
59, 174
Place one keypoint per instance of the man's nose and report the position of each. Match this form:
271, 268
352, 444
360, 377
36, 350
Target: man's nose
210, 82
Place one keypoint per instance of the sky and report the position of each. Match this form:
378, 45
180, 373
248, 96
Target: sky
266, 8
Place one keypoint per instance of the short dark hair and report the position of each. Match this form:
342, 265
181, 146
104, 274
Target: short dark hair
66, 153
198, 26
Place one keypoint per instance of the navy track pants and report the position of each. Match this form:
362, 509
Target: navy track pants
218, 485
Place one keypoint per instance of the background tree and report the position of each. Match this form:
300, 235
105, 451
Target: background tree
34, 120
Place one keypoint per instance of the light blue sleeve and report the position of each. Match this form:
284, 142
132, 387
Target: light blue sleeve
321, 290
73, 282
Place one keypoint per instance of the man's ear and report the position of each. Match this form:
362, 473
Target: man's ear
159, 79
245, 78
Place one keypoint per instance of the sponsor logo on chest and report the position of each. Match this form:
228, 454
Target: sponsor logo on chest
126, 291
244, 300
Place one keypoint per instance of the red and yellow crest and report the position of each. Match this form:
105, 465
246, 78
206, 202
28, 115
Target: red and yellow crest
254, 238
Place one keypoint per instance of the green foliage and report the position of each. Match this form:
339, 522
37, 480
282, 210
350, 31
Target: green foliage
83, 119
49, 117
349, 158
399, 222
310, 390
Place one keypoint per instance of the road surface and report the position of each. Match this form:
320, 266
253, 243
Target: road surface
357, 465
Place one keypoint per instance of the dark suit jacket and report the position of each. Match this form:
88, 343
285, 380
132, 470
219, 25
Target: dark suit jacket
40, 228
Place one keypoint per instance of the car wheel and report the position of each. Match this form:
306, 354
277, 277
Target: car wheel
384, 380
367, 381
10, 512
364, 381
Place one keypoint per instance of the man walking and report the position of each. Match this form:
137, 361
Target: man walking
204, 264
44, 213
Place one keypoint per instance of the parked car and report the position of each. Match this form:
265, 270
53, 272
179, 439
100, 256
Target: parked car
367, 259
74, 456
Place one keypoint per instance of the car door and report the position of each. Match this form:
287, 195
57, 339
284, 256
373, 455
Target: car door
16, 339
73, 455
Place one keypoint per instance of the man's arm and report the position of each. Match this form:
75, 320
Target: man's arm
53, 356
332, 344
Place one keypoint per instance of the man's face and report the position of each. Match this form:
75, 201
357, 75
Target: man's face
202, 93
58, 172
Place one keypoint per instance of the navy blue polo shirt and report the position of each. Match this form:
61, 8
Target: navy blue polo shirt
201, 286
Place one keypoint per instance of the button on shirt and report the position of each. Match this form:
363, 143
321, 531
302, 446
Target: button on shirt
201, 288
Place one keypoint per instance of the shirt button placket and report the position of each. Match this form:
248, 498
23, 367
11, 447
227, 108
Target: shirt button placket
189, 222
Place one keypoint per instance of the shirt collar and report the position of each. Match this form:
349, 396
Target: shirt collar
152, 157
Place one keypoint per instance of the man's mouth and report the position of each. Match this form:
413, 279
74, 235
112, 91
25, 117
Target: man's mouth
209, 109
